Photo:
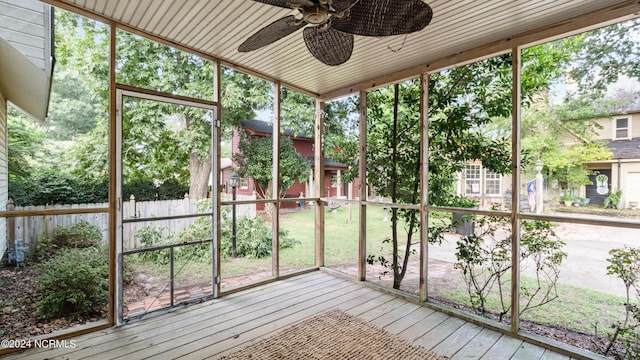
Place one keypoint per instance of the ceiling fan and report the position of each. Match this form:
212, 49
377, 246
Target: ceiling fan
334, 22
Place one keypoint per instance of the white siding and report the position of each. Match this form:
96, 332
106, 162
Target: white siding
25, 25
607, 131
4, 191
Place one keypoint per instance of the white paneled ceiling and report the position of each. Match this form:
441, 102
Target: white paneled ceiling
218, 27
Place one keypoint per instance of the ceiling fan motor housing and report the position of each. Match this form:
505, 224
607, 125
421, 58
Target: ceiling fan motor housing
315, 15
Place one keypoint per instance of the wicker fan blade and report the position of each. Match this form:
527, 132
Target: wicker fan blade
330, 46
283, 3
271, 33
385, 17
342, 5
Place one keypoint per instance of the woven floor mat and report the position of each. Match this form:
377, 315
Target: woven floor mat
332, 335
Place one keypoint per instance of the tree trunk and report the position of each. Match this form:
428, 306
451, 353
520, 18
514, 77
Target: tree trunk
199, 173
265, 192
199, 170
413, 222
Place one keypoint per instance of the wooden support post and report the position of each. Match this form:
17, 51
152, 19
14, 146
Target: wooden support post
515, 190
132, 207
115, 213
319, 175
424, 185
215, 181
362, 175
275, 251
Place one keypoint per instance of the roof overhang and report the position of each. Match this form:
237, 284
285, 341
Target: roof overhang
23, 84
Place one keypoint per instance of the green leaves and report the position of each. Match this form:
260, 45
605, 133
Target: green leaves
242, 94
605, 55
484, 258
255, 160
625, 339
612, 199
75, 281
625, 264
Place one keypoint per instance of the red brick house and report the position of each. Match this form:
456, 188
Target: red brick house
303, 144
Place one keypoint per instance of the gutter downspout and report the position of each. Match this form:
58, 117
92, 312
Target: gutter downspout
618, 185
52, 55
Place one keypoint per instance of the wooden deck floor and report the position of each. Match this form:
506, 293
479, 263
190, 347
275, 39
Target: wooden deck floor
207, 329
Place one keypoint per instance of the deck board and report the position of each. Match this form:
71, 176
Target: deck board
550, 355
174, 343
478, 346
439, 333
504, 348
408, 320
528, 352
452, 344
395, 314
270, 325
238, 310
222, 325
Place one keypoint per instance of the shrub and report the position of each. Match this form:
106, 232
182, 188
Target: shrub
624, 336
200, 229
45, 249
198, 252
484, 258
75, 281
149, 236
254, 239
612, 199
49, 186
148, 190
81, 235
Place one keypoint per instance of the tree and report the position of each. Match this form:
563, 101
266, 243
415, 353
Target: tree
255, 160
72, 109
152, 65
604, 56
242, 94
25, 140
297, 112
393, 161
341, 126
593, 61
464, 104
24, 145
160, 138
544, 128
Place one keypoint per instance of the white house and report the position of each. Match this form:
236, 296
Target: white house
26, 33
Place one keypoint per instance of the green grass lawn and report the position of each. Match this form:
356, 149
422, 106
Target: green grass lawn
575, 308
341, 236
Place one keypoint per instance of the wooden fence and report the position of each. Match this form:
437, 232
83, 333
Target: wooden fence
33, 228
